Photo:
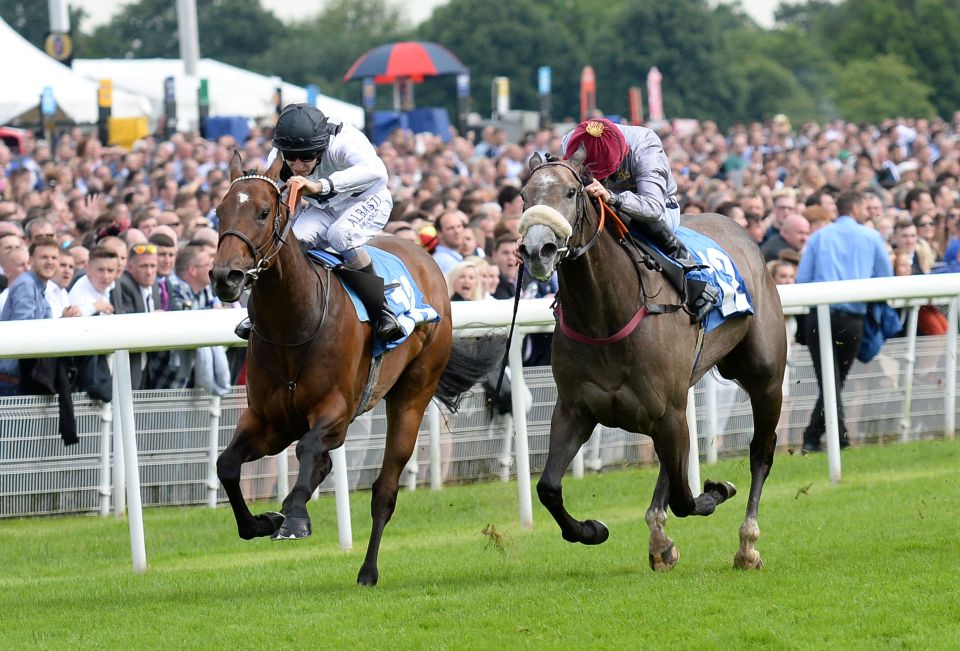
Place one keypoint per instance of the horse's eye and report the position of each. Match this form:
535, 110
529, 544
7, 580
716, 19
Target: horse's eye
264, 214
571, 193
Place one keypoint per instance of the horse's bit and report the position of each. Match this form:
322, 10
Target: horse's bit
277, 239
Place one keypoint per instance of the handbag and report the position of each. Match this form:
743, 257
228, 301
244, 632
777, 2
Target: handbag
931, 321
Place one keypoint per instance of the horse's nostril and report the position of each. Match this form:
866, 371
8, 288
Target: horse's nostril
548, 250
235, 277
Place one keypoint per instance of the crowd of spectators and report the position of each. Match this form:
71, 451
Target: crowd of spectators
134, 230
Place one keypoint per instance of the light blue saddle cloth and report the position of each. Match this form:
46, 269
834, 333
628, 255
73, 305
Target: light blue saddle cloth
404, 298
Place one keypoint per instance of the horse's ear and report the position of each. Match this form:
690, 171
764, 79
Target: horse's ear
535, 161
580, 155
274, 171
236, 169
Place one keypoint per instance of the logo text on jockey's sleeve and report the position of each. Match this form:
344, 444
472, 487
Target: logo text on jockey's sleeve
734, 299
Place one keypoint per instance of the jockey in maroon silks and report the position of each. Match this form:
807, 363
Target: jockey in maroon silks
632, 175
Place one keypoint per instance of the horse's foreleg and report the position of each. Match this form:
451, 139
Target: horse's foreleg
241, 450
313, 453
672, 443
568, 432
663, 555
766, 414
403, 424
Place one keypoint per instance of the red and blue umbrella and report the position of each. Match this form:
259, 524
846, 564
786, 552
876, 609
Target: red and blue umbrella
411, 59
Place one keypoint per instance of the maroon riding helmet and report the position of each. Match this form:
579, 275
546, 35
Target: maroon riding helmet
604, 143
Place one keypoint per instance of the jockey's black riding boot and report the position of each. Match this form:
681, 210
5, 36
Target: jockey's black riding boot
369, 287
243, 329
700, 296
661, 235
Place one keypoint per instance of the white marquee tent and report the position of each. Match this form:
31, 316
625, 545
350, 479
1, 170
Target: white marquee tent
27, 70
232, 91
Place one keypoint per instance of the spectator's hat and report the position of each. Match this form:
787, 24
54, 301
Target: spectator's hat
781, 123
428, 238
604, 143
908, 165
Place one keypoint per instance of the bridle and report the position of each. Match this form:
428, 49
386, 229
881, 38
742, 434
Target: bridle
568, 252
264, 254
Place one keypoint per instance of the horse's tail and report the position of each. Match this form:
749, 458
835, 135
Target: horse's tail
471, 360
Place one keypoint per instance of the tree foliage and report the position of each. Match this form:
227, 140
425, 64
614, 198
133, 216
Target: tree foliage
689, 47
824, 58
321, 50
31, 19
871, 90
509, 39
232, 31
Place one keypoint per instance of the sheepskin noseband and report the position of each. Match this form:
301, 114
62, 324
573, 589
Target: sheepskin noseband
549, 217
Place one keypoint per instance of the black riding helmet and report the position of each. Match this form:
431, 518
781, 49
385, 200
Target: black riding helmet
301, 128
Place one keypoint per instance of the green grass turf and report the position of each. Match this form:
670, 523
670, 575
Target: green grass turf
870, 563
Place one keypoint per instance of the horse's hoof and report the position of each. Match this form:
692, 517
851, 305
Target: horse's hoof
595, 532
592, 532
748, 560
724, 488
293, 529
664, 561
368, 576
268, 523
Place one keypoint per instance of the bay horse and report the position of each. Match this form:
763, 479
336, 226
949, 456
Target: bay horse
638, 380
309, 359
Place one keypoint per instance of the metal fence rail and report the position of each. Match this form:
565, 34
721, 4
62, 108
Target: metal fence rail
39, 476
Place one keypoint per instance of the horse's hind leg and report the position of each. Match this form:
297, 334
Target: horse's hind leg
672, 443
766, 404
241, 450
758, 364
568, 432
403, 425
313, 453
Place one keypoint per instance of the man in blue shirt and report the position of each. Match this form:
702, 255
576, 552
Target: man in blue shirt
845, 250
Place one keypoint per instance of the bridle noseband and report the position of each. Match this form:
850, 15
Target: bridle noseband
567, 251
277, 238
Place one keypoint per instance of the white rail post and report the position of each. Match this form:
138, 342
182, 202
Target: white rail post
506, 458
135, 511
213, 449
710, 405
910, 360
436, 461
577, 463
119, 472
106, 426
830, 397
950, 389
522, 450
595, 460
412, 469
693, 456
341, 488
283, 475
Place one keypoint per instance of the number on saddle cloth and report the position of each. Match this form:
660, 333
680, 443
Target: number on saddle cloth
717, 270
404, 298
